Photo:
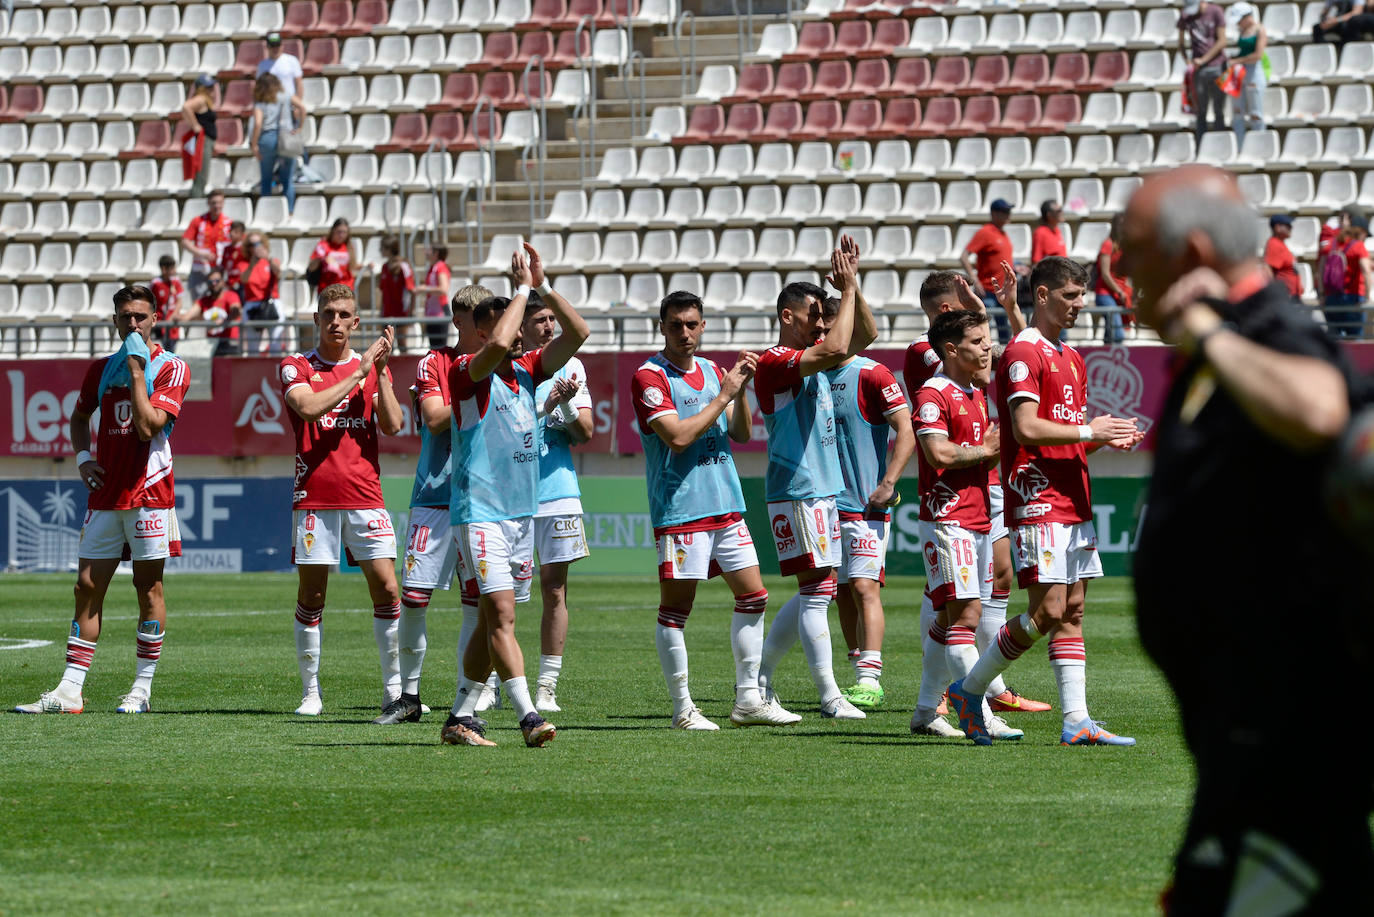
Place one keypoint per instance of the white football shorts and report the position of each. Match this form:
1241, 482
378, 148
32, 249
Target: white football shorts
431, 557
1052, 553
130, 534
863, 549
958, 563
497, 556
364, 534
559, 539
702, 555
806, 534
999, 519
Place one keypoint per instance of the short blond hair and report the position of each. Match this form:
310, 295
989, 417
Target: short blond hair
335, 292
467, 298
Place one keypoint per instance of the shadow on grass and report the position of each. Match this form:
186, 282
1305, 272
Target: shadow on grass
434, 744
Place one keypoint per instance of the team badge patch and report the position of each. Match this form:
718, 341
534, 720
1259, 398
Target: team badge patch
1018, 372
821, 542
410, 561
930, 412
482, 570
1047, 557
680, 557
963, 575
653, 397
308, 541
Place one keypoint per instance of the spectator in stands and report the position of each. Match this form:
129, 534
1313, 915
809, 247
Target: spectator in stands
261, 275
396, 280
285, 67
198, 114
1047, 240
1344, 20
1202, 38
333, 257
1279, 256
435, 289
983, 258
275, 116
1112, 287
1252, 44
171, 302
205, 239
1346, 278
233, 255
221, 305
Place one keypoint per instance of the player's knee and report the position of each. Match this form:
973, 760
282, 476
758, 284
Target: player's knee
147, 584
1073, 613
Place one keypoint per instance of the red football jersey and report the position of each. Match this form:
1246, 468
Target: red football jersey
335, 263
463, 388
921, 363
1043, 483
648, 406
167, 295
394, 284
957, 495
336, 456
137, 473
431, 376
202, 232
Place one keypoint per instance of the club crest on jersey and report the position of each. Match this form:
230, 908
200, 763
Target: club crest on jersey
1028, 481
1018, 372
309, 541
942, 499
930, 412
653, 397
124, 414
963, 576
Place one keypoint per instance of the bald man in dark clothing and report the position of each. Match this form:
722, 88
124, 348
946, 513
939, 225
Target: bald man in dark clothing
1242, 580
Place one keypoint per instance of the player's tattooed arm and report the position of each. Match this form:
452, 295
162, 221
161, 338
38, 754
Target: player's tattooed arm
941, 453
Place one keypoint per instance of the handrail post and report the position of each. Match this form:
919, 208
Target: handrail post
687, 71
587, 24
540, 142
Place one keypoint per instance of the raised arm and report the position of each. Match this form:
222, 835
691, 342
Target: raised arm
147, 420
1007, 299
502, 337
574, 330
834, 348
389, 414
865, 325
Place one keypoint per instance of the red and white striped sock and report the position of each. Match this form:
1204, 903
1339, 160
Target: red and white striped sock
989, 623
746, 642
308, 647
869, 666
1070, 661
80, 655
853, 657
412, 639
961, 651
150, 634
672, 655
1005, 650
934, 669
386, 619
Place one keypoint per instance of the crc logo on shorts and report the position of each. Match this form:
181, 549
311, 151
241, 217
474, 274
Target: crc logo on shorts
1018, 372
863, 546
148, 528
124, 414
742, 533
570, 525
930, 412
380, 527
653, 397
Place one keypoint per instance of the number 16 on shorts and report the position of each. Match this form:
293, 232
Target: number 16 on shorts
958, 563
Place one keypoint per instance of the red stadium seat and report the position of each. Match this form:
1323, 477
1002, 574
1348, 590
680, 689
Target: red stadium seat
813, 42
754, 84
1060, 111
460, 91
532, 89
902, 117
534, 44
565, 53
822, 119
482, 128
1109, 68
744, 120
154, 140
447, 126
852, 9
792, 80
580, 9
1029, 73
334, 16
861, 118
24, 100
302, 16
238, 99
295, 47
951, 74
230, 131
246, 60
911, 78
367, 15
990, 74
981, 113
705, 122
500, 49
499, 86
784, 122
871, 79
832, 78
409, 132
852, 39
617, 12
941, 115
320, 53
888, 36
1070, 71
1022, 115
544, 14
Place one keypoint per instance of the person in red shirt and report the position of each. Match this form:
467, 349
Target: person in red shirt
396, 280
435, 290
340, 401
982, 259
1048, 239
205, 239
1279, 256
1112, 289
221, 305
260, 276
235, 252
131, 509
1353, 263
333, 260
170, 296
1042, 403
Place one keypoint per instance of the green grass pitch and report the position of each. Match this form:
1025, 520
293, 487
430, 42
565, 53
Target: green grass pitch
222, 802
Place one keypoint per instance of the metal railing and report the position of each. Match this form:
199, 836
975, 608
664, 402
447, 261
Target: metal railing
687, 63
538, 143
637, 112
586, 154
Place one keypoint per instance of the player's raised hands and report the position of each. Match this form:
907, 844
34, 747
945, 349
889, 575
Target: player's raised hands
1127, 443
748, 362
970, 300
536, 265
1004, 288
1108, 429
520, 269
736, 379
849, 246
844, 269
380, 351
562, 390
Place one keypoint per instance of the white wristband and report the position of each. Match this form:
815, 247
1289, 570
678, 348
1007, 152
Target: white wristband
1085, 433
523, 290
545, 288
83, 457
